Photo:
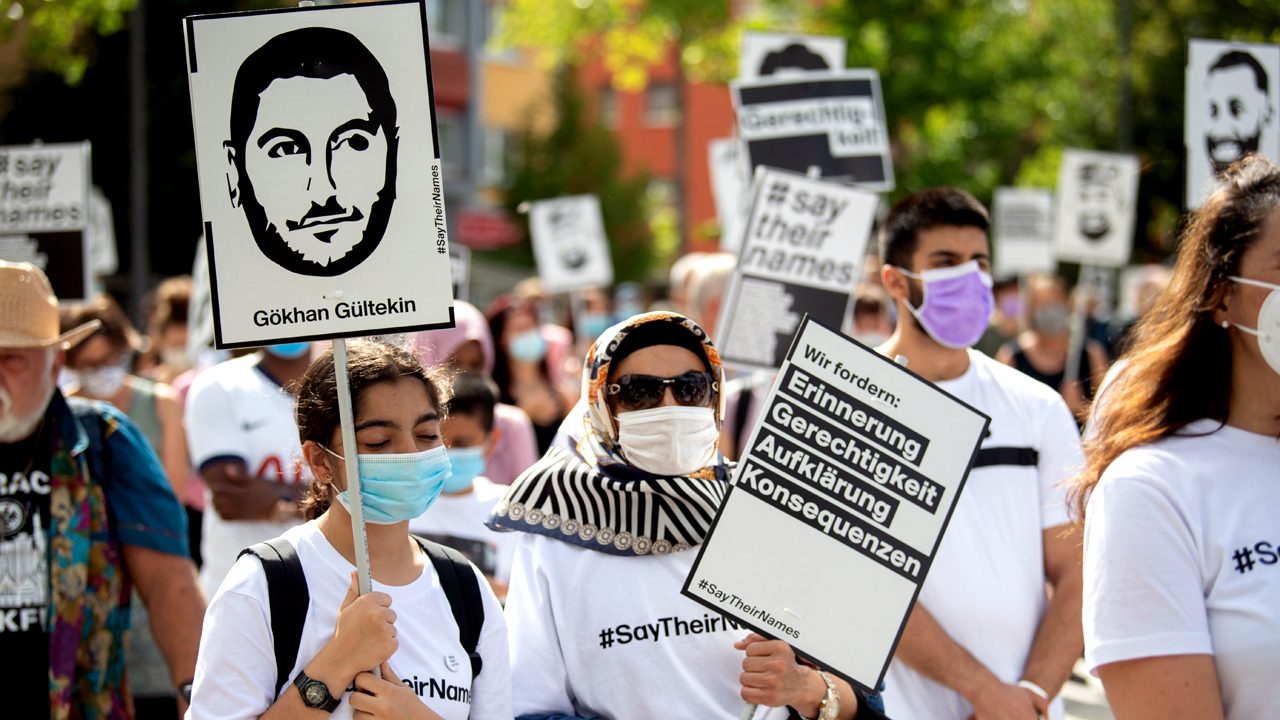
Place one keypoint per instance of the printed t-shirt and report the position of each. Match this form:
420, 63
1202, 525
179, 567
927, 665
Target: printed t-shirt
1182, 557
458, 521
986, 587
236, 670
235, 410
598, 635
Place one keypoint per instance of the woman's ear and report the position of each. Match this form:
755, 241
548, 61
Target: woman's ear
320, 462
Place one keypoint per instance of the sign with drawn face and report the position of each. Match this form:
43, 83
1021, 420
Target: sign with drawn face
569, 243
1022, 229
1095, 206
1232, 94
764, 54
45, 213
319, 172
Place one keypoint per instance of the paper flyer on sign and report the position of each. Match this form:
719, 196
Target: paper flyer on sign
569, 243
729, 188
1095, 208
802, 249
320, 178
834, 122
45, 213
1022, 230
838, 505
1232, 93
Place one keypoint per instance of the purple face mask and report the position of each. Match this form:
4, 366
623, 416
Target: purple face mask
957, 304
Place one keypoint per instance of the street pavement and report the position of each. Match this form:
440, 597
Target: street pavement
1085, 700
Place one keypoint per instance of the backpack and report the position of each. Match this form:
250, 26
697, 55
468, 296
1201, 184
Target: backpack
288, 599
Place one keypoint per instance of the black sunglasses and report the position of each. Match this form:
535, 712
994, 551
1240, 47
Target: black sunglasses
641, 392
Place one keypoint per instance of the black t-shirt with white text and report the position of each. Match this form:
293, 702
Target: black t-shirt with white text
24, 572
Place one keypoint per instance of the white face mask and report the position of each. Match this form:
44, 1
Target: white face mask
103, 382
1267, 328
669, 441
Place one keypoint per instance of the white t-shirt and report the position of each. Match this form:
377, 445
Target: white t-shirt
612, 637
458, 521
1181, 550
234, 410
986, 587
236, 670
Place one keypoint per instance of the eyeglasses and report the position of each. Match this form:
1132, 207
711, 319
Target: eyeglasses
641, 392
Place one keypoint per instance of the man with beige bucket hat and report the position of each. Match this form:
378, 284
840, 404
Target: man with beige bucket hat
85, 514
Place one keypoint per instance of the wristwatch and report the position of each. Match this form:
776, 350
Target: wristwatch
829, 708
315, 694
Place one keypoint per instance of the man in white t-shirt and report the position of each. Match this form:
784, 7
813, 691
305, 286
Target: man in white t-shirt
986, 638
457, 518
244, 441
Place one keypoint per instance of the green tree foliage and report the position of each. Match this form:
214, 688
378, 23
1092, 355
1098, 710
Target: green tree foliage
59, 34
580, 156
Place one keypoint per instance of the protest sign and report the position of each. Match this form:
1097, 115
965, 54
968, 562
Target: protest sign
1093, 215
1232, 91
569, 243
1021, 221
764, 54
838, 505
729, 188
804, 241
460, 270
835, 122
44, 213
320, 178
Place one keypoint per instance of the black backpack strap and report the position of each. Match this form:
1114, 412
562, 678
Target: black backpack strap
462, 589
288, 598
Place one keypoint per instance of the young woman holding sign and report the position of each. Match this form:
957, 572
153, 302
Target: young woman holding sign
406, 626
613, 511
1179, 499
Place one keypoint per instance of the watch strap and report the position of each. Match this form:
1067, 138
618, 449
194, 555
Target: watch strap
303, 682
829, 709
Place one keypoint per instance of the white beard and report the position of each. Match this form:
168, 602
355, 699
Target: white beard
14, 428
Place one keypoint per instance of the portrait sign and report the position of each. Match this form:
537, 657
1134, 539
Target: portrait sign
804, 242
847, 484
765, 54
1094, 211
320, 176
45, 213
460, 270
1232, 109
1023, 230
834, 122
569, 243
729, 188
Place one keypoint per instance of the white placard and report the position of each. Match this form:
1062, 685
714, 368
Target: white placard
834, 122
460, 270
100, 234
838, 505
569, 243
44, 213
1094, 211
802, 248
765, 54
729, 187
320, 178
1023, 231
1232, 108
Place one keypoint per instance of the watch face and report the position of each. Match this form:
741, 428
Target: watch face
316, 693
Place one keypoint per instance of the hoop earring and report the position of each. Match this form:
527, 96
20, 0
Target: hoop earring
1226, 324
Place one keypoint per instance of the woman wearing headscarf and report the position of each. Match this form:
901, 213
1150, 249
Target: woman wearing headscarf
468, 347
598, 626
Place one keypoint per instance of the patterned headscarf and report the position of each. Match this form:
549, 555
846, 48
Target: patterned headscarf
584, 492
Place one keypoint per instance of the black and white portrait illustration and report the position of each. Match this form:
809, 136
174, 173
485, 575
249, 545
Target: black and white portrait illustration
569, 243
320, 176
1095, 205
311, 157
765, 54
1232, 94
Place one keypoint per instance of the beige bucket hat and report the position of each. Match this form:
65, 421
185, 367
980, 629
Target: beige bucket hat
29, 310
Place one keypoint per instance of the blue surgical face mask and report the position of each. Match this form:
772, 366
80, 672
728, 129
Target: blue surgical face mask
528, 346
396, 487
289, 351
593, 324
468, 464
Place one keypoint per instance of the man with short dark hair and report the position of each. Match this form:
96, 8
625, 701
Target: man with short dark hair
311, 156
85, 512
985, 638
1239, 107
